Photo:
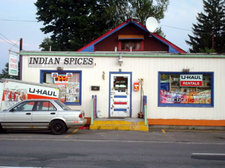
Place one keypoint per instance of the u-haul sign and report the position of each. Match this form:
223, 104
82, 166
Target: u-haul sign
13, 91
191, 80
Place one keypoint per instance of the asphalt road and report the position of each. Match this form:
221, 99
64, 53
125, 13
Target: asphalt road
114, 149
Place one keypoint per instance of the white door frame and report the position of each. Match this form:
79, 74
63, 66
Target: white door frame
129, 91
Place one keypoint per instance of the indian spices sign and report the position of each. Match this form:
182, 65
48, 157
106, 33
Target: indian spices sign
54, 61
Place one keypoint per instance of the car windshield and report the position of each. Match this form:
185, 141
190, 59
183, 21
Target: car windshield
63, 106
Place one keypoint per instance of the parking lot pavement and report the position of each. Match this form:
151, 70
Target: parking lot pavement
159, 136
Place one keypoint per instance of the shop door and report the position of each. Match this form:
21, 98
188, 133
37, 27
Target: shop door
120, 94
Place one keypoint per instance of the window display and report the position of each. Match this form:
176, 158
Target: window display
185, 89
68, 83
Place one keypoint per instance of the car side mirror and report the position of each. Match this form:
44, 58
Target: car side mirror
12, 110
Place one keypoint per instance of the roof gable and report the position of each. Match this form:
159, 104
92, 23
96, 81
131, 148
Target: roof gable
91, 46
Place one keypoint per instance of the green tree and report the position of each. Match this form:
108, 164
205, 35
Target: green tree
47, 45
5, 73
145, 8
138, 9
73, 24
118, 11
209, 32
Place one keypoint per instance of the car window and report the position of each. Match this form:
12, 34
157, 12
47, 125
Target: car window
63, 106
25, 106
45, 106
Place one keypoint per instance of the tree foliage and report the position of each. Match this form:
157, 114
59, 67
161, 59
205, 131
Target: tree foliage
73, 24
145, 8
47, 44
209, 32
5, 73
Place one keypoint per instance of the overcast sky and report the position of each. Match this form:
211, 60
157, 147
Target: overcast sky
18, 20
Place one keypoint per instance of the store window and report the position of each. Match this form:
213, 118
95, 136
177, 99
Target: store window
128, 45
131, 42
186, 89
69, 83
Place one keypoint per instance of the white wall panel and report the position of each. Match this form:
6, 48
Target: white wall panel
146, 68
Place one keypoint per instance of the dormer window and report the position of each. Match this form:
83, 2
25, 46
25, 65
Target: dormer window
130, 45
131, 42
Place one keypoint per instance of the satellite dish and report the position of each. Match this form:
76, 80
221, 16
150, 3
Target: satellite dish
152, 24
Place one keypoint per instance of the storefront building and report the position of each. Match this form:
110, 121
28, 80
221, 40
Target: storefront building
181, 89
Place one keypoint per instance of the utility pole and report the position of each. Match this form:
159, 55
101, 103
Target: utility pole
21, 44
20, 59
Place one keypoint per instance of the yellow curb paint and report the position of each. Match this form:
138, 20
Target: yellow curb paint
74, 131
163, 131
119, 125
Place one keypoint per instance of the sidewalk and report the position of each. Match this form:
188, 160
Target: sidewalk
189, 136
156, 136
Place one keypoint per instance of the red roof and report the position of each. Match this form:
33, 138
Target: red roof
90, 46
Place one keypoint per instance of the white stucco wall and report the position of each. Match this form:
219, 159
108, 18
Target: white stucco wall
146, 68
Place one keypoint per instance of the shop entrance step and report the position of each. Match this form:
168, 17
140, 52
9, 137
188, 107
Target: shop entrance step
129, 124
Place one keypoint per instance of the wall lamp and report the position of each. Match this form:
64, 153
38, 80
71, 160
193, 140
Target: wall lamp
185, 70
120, 60
59, 68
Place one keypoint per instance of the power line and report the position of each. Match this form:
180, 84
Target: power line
178, 28
18, 20
14, 20
9, 41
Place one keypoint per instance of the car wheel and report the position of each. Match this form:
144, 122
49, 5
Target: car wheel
1, 129
58, 127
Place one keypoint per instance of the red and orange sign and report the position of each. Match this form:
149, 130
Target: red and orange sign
136, 86
61, 79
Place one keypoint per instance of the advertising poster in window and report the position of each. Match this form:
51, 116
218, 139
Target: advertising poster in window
68, 84
178, 88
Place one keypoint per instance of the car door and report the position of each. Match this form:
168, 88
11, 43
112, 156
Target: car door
19, 116
44, 112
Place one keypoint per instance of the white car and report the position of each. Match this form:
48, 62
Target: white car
41, 114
